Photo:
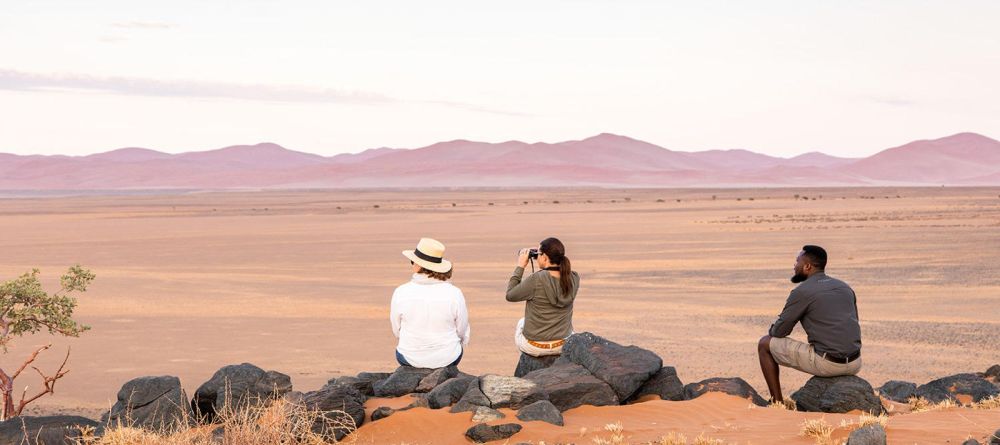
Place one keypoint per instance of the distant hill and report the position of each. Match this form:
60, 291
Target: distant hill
602, 160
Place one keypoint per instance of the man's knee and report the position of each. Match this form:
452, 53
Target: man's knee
764, 345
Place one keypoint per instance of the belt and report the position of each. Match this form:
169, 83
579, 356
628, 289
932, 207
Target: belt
842, 360
547, 344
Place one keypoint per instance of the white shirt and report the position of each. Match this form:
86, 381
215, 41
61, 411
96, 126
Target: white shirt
431, 320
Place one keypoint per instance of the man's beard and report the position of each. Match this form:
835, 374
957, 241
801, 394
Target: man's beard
799, 277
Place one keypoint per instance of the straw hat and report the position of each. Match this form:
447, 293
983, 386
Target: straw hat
429, 254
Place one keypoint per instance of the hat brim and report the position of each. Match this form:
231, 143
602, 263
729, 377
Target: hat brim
443, 267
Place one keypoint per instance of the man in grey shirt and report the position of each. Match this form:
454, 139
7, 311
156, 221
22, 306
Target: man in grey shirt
828, 311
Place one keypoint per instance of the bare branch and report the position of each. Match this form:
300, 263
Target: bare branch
48, 382
31, 359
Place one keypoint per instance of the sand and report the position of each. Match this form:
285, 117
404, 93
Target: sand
299, 281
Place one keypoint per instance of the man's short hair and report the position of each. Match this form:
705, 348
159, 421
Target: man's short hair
815, 255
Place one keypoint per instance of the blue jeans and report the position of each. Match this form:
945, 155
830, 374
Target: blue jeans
402, 360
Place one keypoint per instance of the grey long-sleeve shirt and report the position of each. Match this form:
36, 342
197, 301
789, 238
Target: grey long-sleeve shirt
548, 313
828, 310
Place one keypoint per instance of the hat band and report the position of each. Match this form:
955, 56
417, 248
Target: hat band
426, 257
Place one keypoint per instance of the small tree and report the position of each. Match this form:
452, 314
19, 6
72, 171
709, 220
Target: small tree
25, 308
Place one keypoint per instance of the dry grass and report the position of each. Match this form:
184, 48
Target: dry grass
991, 403
787, 404
819, 430
920, 404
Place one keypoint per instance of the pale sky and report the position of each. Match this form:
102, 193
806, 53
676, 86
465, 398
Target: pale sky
779, 77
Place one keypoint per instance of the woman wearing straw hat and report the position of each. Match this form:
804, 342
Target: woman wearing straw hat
428, 314
549, 295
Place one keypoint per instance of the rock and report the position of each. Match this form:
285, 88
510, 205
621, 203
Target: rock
402, 382
664, 384
570, 385
419, 401
235, 386
483, 433
837, 395
542, 410
971, 442
995, 438
484, 414
898, 391
472, 399
993, 373
435, 378
728, 385
624, 368
44, 430
510, 392
363, 382
382, 412
528, 363
450, 392
869, 435
969, 386
342, 407
154, 403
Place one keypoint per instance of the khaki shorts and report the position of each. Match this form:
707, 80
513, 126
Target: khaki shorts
801, 356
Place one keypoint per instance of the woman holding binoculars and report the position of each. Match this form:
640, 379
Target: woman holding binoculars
548, 295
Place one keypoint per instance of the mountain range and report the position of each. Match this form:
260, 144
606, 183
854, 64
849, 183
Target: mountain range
605, 160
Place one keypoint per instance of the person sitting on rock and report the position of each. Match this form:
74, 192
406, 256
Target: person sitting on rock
428, 314
828, 310
549, 295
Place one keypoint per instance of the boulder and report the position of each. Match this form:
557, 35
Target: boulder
970, 387
971, 442
435, 378
342, 409
729, 385
235, 386
484, 414
472, 399
528, 363
837, 395
403, 381
624, 368
363, 385
993, 373
570, 385
995, 438
869, 435
44, 430
382, 412
483, 433
664, 384
510, 392
450, 392
154, 403
542, 410
898, 391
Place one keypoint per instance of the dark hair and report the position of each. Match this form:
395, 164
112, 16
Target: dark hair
443, 276
554, 249
816, 256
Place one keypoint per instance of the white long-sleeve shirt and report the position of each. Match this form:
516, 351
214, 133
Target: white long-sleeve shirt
431, 320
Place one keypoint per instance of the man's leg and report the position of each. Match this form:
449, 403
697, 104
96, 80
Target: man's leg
769, 367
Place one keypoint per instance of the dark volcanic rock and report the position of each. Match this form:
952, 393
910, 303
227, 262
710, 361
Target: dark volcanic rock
435, 378
528, 363
569, 385
898, 391
402, 382
542, 410
993, 373
472, 399
971, 386
995, 440
486, 414
382, 412
450, 392
44, 430
729, 385
483, 433
971, 442
664, 384
343, 408
837, 395
624, 368
236, 386
154, 403
510, 392
869, 435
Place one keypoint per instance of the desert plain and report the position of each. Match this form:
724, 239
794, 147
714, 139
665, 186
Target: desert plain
299, 281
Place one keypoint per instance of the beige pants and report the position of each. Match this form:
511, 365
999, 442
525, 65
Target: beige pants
801, 356
527, 348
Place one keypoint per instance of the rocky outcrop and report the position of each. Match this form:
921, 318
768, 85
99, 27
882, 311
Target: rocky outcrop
837, 395
435, 378
483, 433
729, 385
970, 387
665, 384
624, 368
528, 363
44, 430
404, 380
510, 392
363, 382
153, 403
449, 392
869, 435
341, 407
235, 386
570, 385
542, 410
898, 391
472, 399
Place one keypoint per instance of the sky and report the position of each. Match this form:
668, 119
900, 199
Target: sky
848, 78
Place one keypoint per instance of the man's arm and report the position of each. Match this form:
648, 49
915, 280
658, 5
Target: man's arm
518, 290
795, 308
462, 321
